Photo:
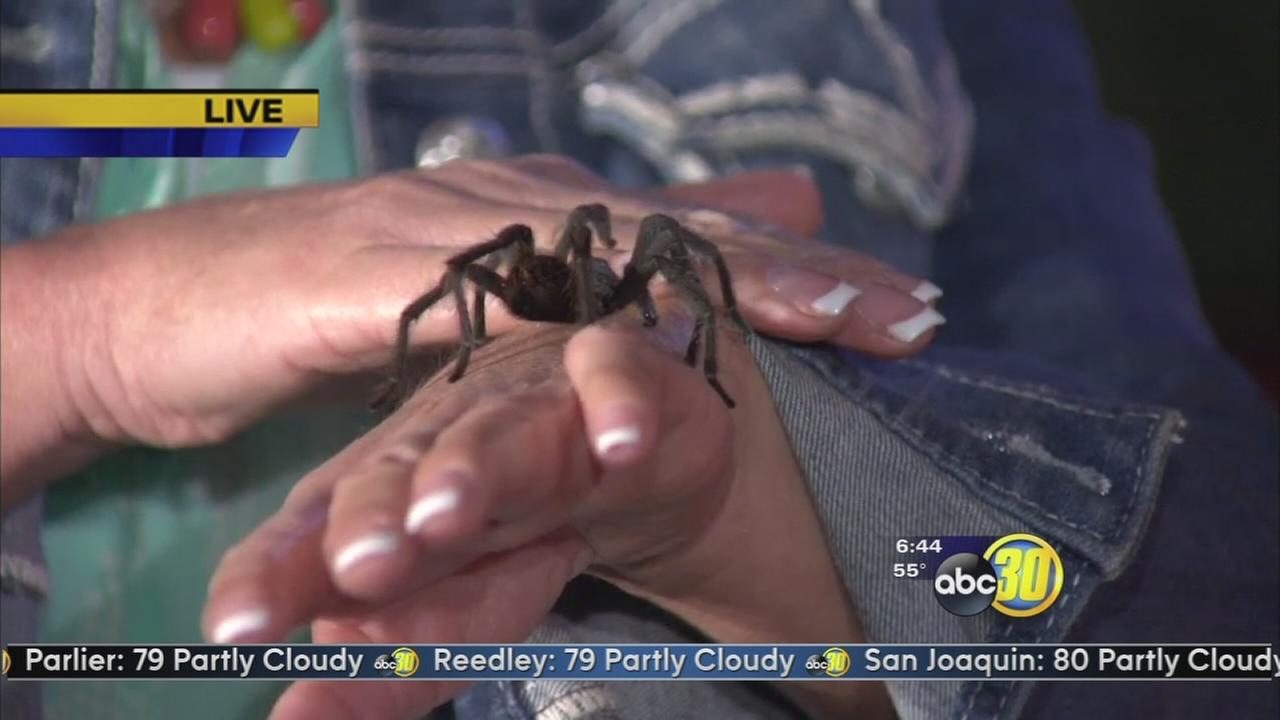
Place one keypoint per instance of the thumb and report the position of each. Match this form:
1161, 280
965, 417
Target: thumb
784, 198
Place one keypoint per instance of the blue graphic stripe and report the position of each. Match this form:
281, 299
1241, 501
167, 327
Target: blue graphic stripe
146, 142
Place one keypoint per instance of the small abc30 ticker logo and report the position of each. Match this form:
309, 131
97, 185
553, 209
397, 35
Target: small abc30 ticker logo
1019, 575
401, 662
7, 662
833, 662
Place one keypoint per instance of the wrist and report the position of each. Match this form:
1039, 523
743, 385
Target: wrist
45, 434
762, 572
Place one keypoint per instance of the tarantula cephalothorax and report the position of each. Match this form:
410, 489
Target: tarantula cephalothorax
572, 286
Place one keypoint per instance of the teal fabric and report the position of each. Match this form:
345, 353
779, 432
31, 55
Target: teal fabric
133, 540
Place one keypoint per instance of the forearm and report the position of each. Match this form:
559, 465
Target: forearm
42, 436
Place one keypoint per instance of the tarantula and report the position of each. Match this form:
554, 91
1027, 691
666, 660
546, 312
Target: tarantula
572, 286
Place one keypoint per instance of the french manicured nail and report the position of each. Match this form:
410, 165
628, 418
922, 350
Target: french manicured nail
431, 505
616, 442
897, 313
812, 292
916, 325
926, 292
239, 624
357, 551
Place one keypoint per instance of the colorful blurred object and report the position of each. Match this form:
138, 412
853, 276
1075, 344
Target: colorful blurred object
211, 29
310, 15
270, 24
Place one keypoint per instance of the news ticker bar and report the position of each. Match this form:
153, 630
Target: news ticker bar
643, 662
155, 123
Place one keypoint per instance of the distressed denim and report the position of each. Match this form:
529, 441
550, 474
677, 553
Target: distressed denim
1075, 384
42, 45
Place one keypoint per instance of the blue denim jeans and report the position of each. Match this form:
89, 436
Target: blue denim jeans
1075, 393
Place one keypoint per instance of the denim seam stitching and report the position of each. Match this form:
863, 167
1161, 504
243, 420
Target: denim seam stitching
662, 26
949, 462
901, 61
565, 52
463, 64
1061, 604
575, 694
31, 44
473, 37
879, 154
1035, 393
18, 571
978, 688
101, 56
573, 48
909, 187
541, 100
1156, 418
513, 699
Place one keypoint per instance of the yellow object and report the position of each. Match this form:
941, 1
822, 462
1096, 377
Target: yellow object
1030, 573
270, 24
838, 662
277, 108
407, 662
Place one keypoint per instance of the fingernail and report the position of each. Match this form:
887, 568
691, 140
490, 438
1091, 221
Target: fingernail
431, 505
616, 442
926, 291
710, 222
895, 312
915, 326
378, 543
812, 292
239, 624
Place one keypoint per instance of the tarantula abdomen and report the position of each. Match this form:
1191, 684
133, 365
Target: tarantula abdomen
542, 289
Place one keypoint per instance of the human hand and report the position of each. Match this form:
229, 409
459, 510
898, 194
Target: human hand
615, 455
182, 326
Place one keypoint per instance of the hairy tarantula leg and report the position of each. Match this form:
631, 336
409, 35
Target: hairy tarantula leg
583, 273
575, 241
519, 236
594, 217
652, 240
682, 277
695, 341
490, 264
513, 243
516, 238
648, 310
389, 396
485, 279
464, 327
702, 246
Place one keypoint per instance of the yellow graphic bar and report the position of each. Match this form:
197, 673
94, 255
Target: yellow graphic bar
197, 108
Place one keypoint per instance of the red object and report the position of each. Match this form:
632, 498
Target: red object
211, 28
310, 15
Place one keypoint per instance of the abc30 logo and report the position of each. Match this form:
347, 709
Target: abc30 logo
833, 662
1019, 575
401, 662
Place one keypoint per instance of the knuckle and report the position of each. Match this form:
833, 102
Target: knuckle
475, 167
558, 167
373, 199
